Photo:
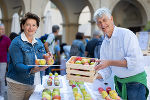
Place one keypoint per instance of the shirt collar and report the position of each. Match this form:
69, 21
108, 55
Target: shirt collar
114, 34
24, 38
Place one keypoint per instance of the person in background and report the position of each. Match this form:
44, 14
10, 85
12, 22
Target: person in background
50, 43
121, 54
24, 49
78, 47
89, 49
4, 45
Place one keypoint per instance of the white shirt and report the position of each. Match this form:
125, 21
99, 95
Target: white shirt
123, 44
51, 41
37, 78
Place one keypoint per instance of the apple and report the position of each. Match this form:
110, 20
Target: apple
104, 94
84, 92
56, 89
83, 61
56, 78
92, 63
78, 58
42, 61
113, 95
55, 93
100, 89
75, 89
50, 61
86, 63
46, 96
49, 82
46, 56
78, 62
87, 97
108, 89
56, 74
73, 86
56, 83
37, 61
50, 74
56, 97
46, 91
72, 62
92, 60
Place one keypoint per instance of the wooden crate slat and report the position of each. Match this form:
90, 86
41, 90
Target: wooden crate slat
80, 66
87, 73
80, 78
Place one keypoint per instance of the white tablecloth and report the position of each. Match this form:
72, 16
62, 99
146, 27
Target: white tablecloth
65, 91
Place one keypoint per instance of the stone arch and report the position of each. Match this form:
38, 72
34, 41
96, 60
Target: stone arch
129, 14
9, 7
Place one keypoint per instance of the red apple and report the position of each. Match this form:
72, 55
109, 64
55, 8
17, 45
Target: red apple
100, 89
56, 97
108, 89
73, 86
78, 58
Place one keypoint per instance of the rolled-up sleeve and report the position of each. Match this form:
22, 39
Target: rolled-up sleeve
133, 51
105, 73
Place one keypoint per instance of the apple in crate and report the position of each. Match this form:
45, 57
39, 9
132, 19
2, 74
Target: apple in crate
92, 63
78, 62
78, 58
42, 61
46, 91
56, 97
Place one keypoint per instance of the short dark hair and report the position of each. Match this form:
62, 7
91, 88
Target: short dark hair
29, 15
79, 35
55, 28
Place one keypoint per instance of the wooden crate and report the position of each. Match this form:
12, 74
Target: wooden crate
79, 72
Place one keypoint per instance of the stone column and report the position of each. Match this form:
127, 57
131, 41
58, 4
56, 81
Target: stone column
69, 33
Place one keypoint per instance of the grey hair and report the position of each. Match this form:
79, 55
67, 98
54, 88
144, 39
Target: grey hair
100, 12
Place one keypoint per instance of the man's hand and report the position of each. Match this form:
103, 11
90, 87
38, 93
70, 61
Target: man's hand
37, 69
103, 64
99, 76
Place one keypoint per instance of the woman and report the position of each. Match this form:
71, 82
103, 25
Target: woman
24, 49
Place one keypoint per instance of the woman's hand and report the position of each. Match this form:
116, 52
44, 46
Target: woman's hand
103, 64
37, 69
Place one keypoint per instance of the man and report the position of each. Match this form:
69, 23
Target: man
89, 49
50, 43
4, 45
120, 53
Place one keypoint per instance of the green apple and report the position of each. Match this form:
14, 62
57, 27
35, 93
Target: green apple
42, 61
87, 97
56, 74
47, 96
78, 62
50, 74
92, 63
75, 89
55, 93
